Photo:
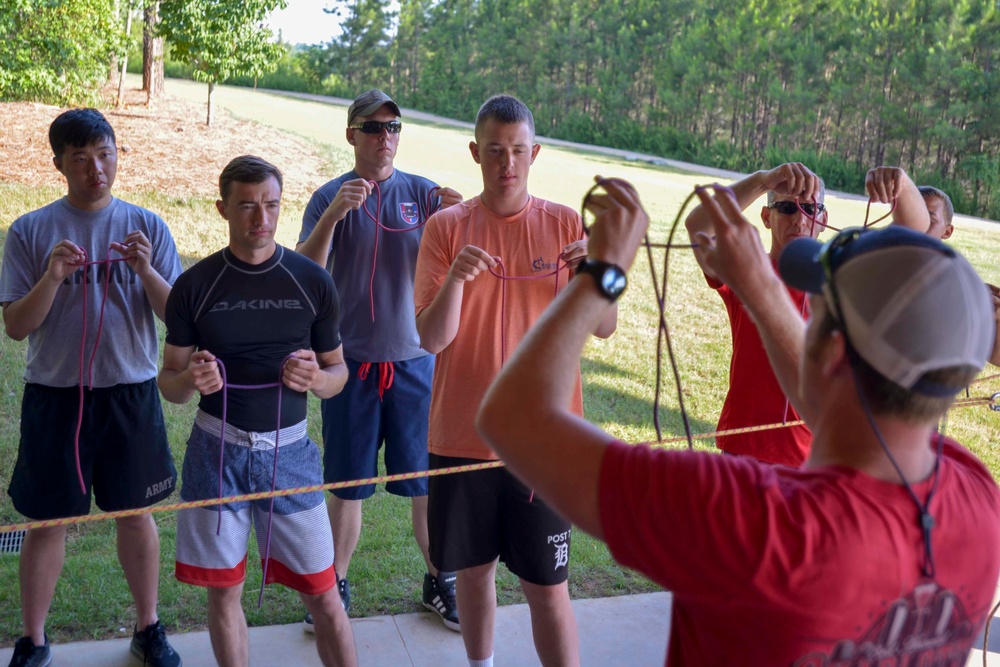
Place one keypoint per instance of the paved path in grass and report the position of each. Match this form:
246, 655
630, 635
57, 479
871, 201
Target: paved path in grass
628, 155
603, 150
630, 630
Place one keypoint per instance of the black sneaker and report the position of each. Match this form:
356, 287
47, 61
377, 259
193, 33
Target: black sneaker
439, 597
151, 646
26, 654
344, 589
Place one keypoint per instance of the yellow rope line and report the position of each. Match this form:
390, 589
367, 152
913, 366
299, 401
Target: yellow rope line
261, 495
730, 431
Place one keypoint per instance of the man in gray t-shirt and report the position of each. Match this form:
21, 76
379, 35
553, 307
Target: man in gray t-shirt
91, 267
365, 227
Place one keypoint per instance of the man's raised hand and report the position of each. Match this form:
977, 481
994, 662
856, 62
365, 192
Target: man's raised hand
65, 258
795, 180
620, 223
350, 197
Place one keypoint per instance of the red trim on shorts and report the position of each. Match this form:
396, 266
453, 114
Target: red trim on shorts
211, 577
310, 584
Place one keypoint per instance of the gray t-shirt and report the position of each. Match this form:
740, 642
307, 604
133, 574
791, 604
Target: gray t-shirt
405, 200
127, 352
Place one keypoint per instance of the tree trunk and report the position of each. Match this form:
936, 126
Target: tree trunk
121, 79
152, 53
211, 92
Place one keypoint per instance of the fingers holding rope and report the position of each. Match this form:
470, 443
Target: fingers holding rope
620, 222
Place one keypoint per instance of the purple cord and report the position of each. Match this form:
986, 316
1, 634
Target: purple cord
274, 472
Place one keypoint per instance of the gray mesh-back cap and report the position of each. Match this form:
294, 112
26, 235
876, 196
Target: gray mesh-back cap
910, 304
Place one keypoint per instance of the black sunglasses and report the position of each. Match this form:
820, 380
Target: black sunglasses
791, 207
376, 127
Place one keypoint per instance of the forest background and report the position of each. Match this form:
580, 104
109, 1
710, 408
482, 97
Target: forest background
840, 85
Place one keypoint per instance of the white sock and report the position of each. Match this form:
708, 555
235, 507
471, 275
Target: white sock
485, 662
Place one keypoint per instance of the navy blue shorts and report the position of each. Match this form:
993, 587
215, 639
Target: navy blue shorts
124, 454
476, 517
356, 422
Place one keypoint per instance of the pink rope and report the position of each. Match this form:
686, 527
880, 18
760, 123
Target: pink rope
83, 351
377, 219
503, 295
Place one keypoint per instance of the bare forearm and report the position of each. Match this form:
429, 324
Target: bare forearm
317, 246
176, 386
609, 324
334, 378
437, 324
911, 210
157, 290
24, 316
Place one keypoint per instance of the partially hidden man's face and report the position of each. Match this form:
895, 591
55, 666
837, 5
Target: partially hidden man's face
252, 212
90, 172
940, 228
505, 153
374, 150
788, 225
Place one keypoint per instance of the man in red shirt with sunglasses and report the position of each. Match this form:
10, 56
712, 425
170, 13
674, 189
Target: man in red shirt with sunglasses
794, 209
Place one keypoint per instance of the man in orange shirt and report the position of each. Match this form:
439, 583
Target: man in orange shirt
472, 320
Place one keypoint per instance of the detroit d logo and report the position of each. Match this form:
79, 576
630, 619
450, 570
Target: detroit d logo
562, 555
409, 212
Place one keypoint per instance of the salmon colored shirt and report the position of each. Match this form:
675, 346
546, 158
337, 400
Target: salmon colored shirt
529, 244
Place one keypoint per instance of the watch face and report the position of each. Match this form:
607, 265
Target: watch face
613, 281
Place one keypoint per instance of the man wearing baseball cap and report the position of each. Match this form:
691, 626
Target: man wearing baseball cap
365, 226
884, 547
883, 184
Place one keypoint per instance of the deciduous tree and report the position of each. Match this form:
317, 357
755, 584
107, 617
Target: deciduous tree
221, 38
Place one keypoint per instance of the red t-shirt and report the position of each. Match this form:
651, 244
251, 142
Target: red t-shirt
804, 567
755, 397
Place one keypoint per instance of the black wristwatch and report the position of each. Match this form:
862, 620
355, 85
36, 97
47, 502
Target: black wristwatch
610, 278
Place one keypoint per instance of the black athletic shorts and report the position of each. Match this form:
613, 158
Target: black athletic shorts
475, 517
124, 453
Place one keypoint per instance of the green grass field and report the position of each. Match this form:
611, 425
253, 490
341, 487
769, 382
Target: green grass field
92, 600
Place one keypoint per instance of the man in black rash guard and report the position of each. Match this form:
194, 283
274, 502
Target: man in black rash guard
252, 328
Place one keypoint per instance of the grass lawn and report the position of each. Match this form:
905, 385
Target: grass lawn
92, 600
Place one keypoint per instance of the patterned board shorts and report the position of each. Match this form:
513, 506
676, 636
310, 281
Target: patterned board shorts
212, 544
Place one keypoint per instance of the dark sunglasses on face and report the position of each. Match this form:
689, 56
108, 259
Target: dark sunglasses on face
790, 208
376, 127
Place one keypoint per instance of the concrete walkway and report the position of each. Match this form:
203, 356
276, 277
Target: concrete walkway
628, 630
